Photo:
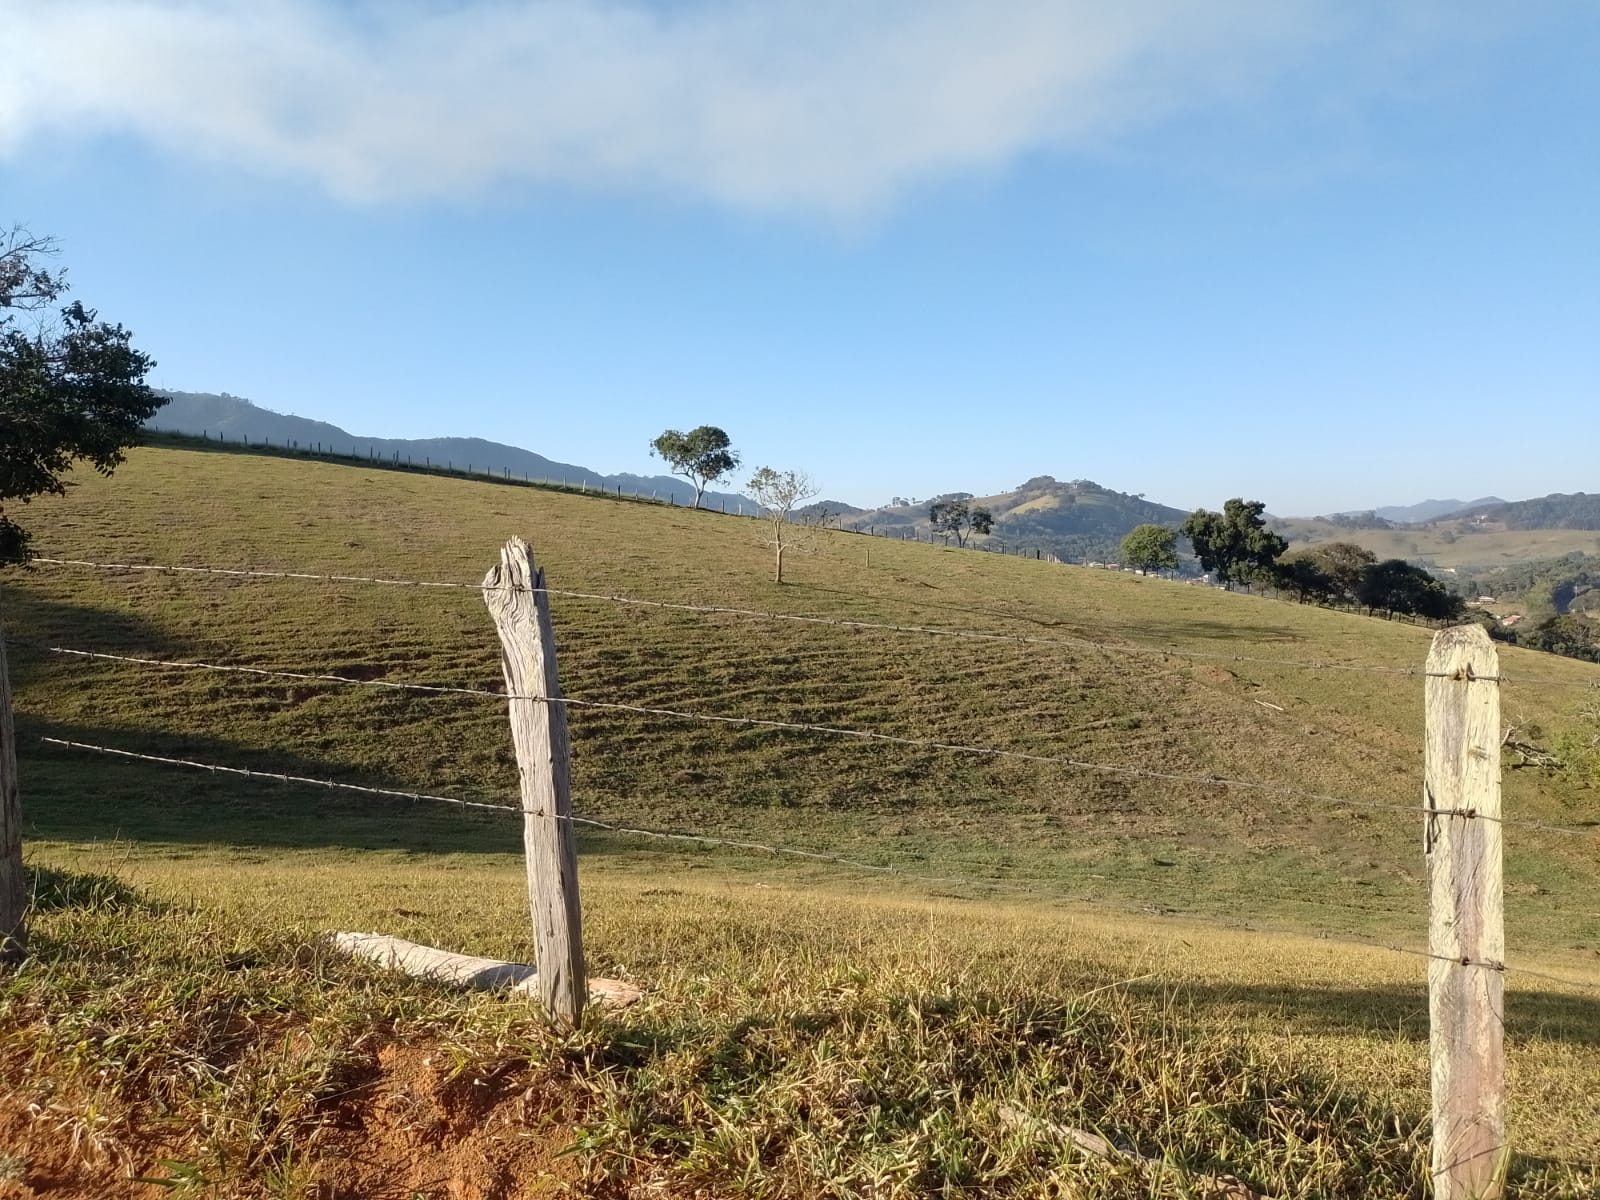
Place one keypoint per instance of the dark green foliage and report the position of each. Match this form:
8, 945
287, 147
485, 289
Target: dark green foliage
955, 515
1304, 579
1568, 635
702, 456
71, 386
1398, 587
1366, 520
1580, 510
1549, 587
1150, 548
1235, 544
1332, 571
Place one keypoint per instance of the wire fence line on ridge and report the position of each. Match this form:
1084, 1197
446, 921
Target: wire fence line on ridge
798, 618
809, 727
1024, 889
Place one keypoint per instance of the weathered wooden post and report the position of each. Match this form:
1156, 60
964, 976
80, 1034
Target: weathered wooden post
521, 610
13, 892
1466, 929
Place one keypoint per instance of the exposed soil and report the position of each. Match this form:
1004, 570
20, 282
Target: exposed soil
399, 1128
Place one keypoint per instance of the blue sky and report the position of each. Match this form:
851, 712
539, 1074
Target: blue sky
1325, 253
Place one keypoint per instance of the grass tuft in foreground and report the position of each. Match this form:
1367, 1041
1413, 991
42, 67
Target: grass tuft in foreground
188, 1048
824, 1082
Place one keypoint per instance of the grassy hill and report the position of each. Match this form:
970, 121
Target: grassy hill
812, 1028
231, 418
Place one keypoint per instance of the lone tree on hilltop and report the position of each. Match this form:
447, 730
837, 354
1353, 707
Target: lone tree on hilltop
1235, 543
1150, 548
702, 456
960, 518
779, 493
71, 386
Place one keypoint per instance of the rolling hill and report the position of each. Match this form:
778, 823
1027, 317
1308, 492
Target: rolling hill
221, 415
1064, 876
1580, 510
1423, 511
1061, 697
1075, 520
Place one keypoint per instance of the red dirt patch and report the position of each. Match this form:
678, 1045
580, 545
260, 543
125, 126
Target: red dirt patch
403, 1127
408, 1130
45, 1152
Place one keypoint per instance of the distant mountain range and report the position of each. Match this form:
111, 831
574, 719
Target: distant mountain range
1577, 510
1073, 519
1427, 510
222, 415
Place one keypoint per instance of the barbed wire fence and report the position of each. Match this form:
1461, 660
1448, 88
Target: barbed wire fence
1331, 802
1123, 648
1463, 814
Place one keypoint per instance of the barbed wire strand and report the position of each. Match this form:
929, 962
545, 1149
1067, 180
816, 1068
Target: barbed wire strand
702, 839
759, 722
800, 618
797, 727
589, 822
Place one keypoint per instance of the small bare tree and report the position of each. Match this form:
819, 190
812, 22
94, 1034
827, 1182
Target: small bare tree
779, 493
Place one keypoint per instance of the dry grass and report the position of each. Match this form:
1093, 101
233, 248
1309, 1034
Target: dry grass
810, 1031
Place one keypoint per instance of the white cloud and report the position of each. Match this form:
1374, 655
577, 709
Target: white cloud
811, 105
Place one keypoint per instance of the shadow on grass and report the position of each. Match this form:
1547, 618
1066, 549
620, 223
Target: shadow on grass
79, 795
1532, 1011
1041, 1057
52, 890
33, 620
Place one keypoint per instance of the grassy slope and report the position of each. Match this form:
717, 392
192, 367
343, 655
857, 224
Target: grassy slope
1014, 832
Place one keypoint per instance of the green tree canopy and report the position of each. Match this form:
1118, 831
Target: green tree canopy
702, 456
1304, 579
1566, 634
71, 386
1396, 586
1235, 544
1344, 563
955, 515
1150, 548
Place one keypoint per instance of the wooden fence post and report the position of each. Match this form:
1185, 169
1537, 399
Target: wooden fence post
13, 891
521, 611
1466, 928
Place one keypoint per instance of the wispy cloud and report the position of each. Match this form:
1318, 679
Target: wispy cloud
812, 105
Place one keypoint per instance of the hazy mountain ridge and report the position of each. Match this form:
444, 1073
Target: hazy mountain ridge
1074, 519
231, 416
1559, 510
1077, 519
1423, 511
